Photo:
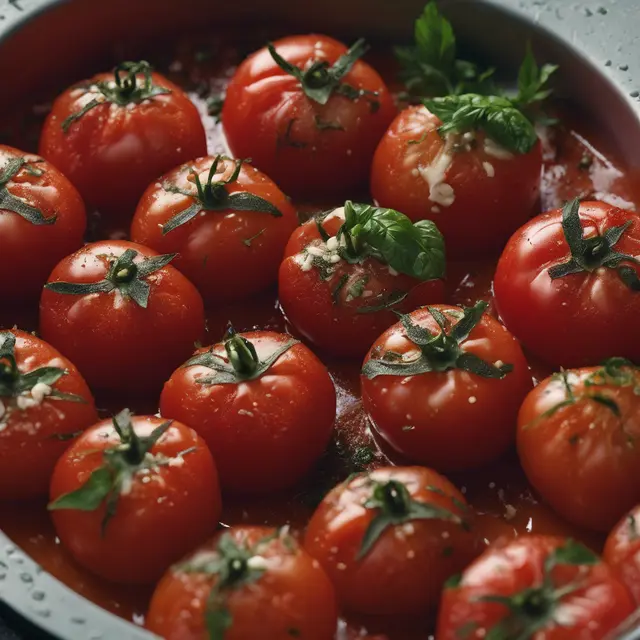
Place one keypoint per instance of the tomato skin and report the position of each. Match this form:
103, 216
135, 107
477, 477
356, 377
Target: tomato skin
508, 567
214, 243
266, 433
294, 593
262, 100
112, 153
113, 341
585, 473
583, 319
468, 420
30, 442
486, 209
30, 250
339, 328
622, 551
404, 571
157, 522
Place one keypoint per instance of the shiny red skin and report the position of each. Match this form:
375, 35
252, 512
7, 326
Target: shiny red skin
404, 571
597, 606
115, 343
588, 316
267, 433
30, 439
486, 210
582, 458
461, 420
112, 153
226, 254
30, 251
262, 100
622, 551
157, 522
335, 325
293, 593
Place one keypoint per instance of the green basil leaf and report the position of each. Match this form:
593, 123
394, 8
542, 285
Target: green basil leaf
532, 81
574, 553
89, 496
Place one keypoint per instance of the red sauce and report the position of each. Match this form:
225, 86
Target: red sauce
579, 161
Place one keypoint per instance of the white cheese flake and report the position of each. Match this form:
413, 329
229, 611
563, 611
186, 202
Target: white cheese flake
259, 563
489, 169
493, 149
439, 191
332, 244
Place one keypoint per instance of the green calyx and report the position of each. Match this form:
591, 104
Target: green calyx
214, 196
9, 202
590, 254
438, 352
124, 275
126, 88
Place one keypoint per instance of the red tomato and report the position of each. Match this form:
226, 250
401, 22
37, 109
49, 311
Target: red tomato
330, 304
264, 404
43, 403
128, 498
390, 538
622, 551
244, 242
578, 440
475, 191
127, 318
248, 582
117, 132
589, 314
42, 219
534, 587
449, 402
315, 133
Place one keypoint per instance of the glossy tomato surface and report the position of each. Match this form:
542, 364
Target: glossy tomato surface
51, 226
227, 254
308, 148
170, 504
588, 316
276, 591
116, 343
36, 423
622, 551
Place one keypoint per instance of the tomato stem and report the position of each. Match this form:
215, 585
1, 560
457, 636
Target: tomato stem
241, 353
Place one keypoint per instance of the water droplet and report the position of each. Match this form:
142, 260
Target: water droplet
602, 11
635, 94
623, 67
26, 577
43, 613
588, 12
78, 620
607, 63
10, 550
95, 635
18, 559
38, 595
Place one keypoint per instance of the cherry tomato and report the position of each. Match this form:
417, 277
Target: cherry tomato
131, 496
43, 403
477, 192
309, 114
444, 385
578, 442
248, 582
115, 133
534, 587
42, 219
228, 223
342, 305
264, 404
123, 314
622, 551
573, 303
390, 538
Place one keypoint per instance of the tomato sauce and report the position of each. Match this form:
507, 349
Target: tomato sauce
578, 161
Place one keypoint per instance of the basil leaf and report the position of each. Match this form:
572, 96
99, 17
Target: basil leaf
532, 81
573, 553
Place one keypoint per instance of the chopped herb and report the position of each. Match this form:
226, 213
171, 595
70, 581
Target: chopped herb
585, 162
408, 427
214, 106
466, 630
362, 457
335, 294
357, 288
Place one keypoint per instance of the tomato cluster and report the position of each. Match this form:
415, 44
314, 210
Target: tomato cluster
137, 499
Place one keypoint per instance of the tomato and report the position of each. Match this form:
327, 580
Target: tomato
573, 303
342, 305
310, 114
444, 385
43, 403
534, 587
229, 231
390, 538
578, 441
477, 192
123, 314
115, 133
131, 496
264, 404
42, 219
247, 582
622, 551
